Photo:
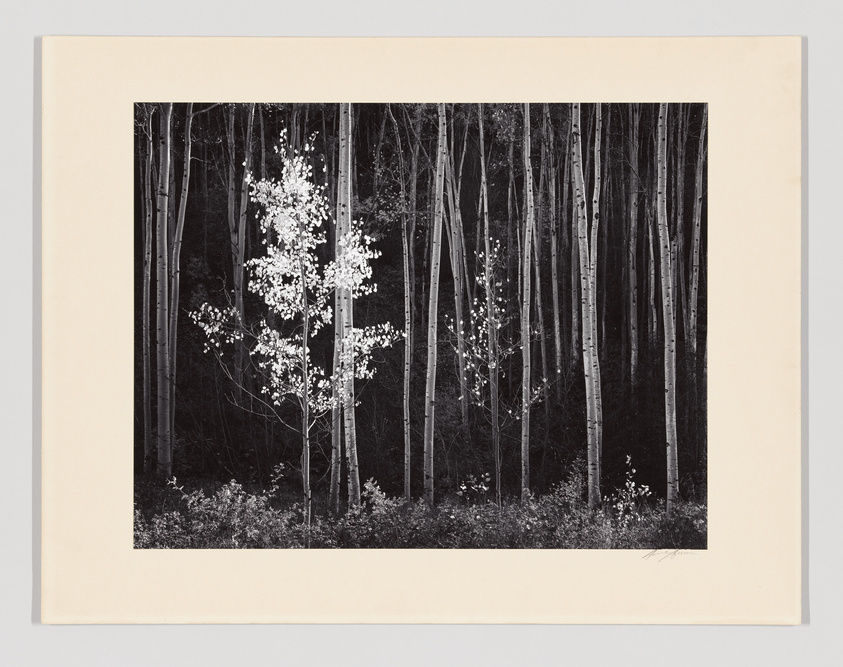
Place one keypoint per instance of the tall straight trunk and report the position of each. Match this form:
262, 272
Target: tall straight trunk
165, 445
514, 235
414, 170
236, 231
691, 305
680, 294
171, 202
566, 237
203, 194
230, 188
595, 223
433, 305
377, 172
294, 129
510, 244
606, 194
538, 233
346, 310
175, 261
408, 331
148, 206
652, 316
542, 339
554, 261
491, 321
576, 297
241, 351
455, 176
632, 249
428, 233
526, 388
695, 239
668, 315
337, 401
342, 214
305, 406
457, 256
587, 303
263, 142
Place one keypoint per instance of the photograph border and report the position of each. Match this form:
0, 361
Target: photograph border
751, 570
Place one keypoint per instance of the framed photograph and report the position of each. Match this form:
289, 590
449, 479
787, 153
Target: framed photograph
421, 330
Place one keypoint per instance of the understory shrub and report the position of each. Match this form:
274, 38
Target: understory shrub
234, 518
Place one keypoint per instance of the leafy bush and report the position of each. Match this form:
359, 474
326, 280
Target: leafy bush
628, 501
231, 518
234, 518
474, 490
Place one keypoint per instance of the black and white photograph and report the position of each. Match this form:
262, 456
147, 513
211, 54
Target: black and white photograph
437, 325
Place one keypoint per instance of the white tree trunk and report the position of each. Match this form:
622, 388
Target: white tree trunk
175, 261
336, 408
165, 445
408, 331
526, 266
668, 315
433, 305
457, 254
632, 250
305, 406
554, 262
695, 239
586, 300
347, 312
595, 356
149, 206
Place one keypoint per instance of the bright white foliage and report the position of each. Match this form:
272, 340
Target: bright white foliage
478, 357
294, 209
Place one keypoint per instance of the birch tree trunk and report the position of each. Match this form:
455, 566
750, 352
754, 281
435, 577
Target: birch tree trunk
408, 331
165, 445
587, 303
491, 321
652, 317
457, 256
567, 238
337, 389
595, 356
237, 227
576, 297
668, 315
433, 305
336, 399
691, 306
175, 261
554, 262
347, 312
526, 388
510, 244
414, 170
680, 302
231, 203
149, 205
305, 405
241, 351
632, 250
695, 238
539, 313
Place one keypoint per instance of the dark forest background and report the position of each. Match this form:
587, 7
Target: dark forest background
220, 434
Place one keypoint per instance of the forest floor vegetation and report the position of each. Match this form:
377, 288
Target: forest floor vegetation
233, 517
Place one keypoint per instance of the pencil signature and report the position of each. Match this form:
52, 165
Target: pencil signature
666, 554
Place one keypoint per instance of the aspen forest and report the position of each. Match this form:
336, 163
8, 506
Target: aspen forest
420, 325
